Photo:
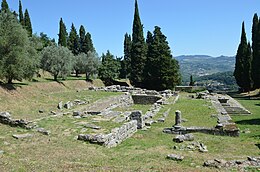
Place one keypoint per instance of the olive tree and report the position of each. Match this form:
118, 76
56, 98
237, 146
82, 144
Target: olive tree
18, 58
57, 60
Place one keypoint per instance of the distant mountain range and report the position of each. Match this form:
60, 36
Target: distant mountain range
201, 65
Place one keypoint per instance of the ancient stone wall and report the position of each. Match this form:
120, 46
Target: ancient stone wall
114, 138
145, 99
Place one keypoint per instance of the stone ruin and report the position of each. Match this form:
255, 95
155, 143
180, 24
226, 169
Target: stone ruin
114, 138
224, 127
5, 118
239, 164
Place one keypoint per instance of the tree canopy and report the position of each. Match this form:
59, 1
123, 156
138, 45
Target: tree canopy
18, 59
57, 60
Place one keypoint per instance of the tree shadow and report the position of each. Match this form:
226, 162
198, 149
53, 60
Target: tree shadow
11, 87
249, 122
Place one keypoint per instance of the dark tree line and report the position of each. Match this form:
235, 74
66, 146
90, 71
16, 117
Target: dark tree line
148, 62
247, 68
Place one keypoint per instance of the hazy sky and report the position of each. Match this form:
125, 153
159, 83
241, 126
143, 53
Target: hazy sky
210, 27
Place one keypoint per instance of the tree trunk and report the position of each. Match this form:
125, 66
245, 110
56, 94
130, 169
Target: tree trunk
77, 73
55, 77
10, 80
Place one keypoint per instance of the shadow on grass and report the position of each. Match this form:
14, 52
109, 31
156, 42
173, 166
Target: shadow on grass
10, 87
249, 122
257, 104
258, 145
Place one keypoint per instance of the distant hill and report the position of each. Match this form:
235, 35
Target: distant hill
202, 65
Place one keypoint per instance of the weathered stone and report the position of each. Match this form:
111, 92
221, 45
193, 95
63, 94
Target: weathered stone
112, 139
161, 120
182, 138
76, 113
145, 99
68, 105
92, 126
5, 115
203, 148
149, 122
2, 152
137, 115
175, 157
43, 131
53, 113
60, 105
177, 118
22, 136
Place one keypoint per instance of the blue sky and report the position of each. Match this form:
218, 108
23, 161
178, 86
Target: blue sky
210, 27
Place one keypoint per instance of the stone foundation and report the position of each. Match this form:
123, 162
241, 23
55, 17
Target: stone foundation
145, 99
114, 138
5, 118
229, 130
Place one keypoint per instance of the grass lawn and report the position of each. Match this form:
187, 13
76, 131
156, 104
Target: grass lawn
144, 151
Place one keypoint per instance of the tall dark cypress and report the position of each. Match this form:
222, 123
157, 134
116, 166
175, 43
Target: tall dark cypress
63, 34
27, 23
160, 66
4, 6
73, 40
127, 54
21, 19
241, 56
82, 34
88, 44
138, 50
247, 86
256, 52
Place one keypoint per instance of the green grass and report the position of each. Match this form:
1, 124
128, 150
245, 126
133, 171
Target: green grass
144, 151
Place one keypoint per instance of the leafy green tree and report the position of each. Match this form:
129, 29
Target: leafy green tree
242, 71
138, 50
161, 70
256, 52
4, 6
73, 40
21, 18
109, 69
27, 22
87, 63
58, 60
18, 59
126, 62
46, 41
63, 34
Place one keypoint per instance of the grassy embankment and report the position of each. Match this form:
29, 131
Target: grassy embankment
145, 151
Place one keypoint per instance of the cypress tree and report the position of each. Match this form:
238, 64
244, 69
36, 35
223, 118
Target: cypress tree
161, 70
82, 34
127, 55
88, 44
27, 23
21, 19
4, 6
138, 50
256, 52
248, 69
63, 34
240, 73
73, 40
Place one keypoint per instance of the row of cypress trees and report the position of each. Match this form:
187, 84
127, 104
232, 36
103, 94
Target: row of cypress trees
247, 67
77, 43
148, 62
